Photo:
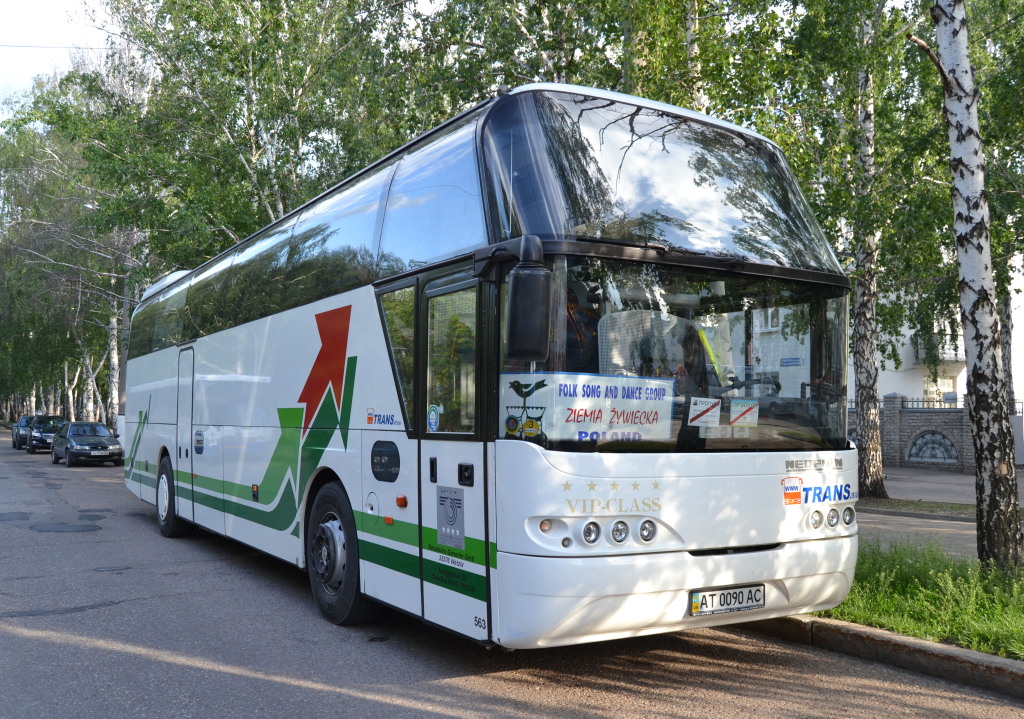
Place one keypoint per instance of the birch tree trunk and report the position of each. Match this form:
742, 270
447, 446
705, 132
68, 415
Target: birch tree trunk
113, 353
865, 295
69, 386
701, 102
999, 532
88, 391
1006, 326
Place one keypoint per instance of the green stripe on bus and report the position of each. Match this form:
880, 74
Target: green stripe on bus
402, 532
345, 413
394, 559
146, 480
441, 575
473, 553
456, 580
409, 534
282, 517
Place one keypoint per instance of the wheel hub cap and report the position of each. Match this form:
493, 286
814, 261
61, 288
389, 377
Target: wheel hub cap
329, 553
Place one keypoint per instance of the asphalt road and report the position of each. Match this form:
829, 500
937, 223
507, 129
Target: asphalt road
102, 617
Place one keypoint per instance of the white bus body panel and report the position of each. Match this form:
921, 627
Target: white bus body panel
547, 593
390, 566
249, 405
547, 602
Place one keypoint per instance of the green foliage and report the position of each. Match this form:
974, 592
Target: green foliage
923, 592
207, 120
46, 295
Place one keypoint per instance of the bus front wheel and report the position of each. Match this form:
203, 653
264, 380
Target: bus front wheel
171, 525
332, 559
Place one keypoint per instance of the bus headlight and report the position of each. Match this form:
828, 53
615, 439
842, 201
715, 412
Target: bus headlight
647, 530
591, 532
620, 532
816, 519
848, 516
833, 517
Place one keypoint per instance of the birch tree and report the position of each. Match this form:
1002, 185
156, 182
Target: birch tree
867, 239
1000, 539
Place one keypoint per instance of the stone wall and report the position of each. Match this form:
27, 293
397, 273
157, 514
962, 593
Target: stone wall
937, 438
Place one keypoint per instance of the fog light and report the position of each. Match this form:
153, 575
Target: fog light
545, 525
816, 519
647, 530
620, 532
833, 517
849, 515
591, 532
566, 542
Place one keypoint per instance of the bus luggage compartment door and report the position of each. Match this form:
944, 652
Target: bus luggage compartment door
182, 460
454, 539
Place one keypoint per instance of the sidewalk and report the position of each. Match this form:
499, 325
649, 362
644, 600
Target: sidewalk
957, 536
934, 485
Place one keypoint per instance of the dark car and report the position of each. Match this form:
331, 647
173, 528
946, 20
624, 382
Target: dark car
77, 442
41, 430
19, 431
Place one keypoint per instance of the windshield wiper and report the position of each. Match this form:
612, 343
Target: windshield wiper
724, 256
645, 244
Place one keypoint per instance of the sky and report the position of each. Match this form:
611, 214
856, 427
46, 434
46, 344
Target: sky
38, 36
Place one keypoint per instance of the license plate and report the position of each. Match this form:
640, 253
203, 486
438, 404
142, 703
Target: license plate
722, 601
99, 453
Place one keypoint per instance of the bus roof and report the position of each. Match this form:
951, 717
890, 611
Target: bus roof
639, 101
176, 276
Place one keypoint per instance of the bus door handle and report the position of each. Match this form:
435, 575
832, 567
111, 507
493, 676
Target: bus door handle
433, 470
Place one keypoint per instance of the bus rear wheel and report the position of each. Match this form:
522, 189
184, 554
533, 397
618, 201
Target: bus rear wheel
171, 525
332, 559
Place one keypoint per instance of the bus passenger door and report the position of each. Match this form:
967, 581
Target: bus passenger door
183, 436
454, 542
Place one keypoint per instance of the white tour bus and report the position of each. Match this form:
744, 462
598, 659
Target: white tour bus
567, 368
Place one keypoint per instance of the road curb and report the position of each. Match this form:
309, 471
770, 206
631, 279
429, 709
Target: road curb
954, 663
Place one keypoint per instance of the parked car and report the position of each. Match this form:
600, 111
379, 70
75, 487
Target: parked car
41, 430
19, 431
78, 442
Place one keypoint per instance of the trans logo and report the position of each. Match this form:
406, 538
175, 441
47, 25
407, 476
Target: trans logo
386, 420
794, 492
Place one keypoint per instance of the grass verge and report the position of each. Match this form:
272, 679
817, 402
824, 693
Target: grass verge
917, 506
920, 591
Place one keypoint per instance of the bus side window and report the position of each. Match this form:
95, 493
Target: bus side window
167, 328
143, 326
434, 209
206, 301
257, 275
399, 308
334, 244
451, 362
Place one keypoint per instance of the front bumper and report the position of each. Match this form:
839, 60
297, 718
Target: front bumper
548, 602
89, 455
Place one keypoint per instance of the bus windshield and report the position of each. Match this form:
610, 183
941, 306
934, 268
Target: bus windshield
568, 166
657, 358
